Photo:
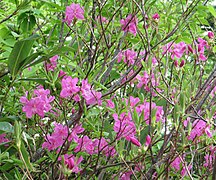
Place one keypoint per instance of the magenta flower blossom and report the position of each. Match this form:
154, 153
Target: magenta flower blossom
72, 162
156, 16
125, 128
148, 140
146, 108
211, 35
110, 103
176, 50
60, 134
3, 139
182, 63
69, 87
61, 73
53, 63
102, 19
126, 175
102, 146
133, 101
85, 144
129, 24
199, 128
176, 165
39, 104
129, 57
74, 11
142, 80
91, 96
78, 129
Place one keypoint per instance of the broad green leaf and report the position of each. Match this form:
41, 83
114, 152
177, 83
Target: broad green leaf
19, 53
212, 10
26, 156
6, 127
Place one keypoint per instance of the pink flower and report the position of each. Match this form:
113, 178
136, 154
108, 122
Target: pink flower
110, 104
74, 11
91, 96
102, 19
39, 104
148, 140
129, 56
176, 63
102, 146
85, 144
199, 128
126, 175
3, 139
57, 138
176, 50
156, 16
78, 129
53, 63
146, 108
125, 127
211, 35
135, 141
129, 24
72, 162
142, 80
176, 163
61, 73
182, 63
133, 101
69, 86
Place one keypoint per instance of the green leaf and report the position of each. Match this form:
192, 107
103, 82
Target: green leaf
26, 156
17, 131
19, 54
30, 59
212, 10
6, 127
37, 80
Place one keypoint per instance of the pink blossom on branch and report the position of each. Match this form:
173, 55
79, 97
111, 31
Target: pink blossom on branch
72, 162
101, 145
90, 95
74, 11
148, 140
129, 24
39, 104
69, 87
211, 35
50, 66
3, 139
125, 127
156, 16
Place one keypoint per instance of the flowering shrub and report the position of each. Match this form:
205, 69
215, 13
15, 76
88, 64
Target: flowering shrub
107, 90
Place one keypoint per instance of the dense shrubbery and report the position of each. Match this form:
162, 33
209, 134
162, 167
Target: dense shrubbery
107, 90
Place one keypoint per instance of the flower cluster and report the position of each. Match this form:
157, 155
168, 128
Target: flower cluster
179, 49
210, 157
129, 24
177, 163
3, 139
74, 11
145, 107
60, 135
128, 55
145, 80
70, 89
125, 127
53, 63
199, 128
39, 104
